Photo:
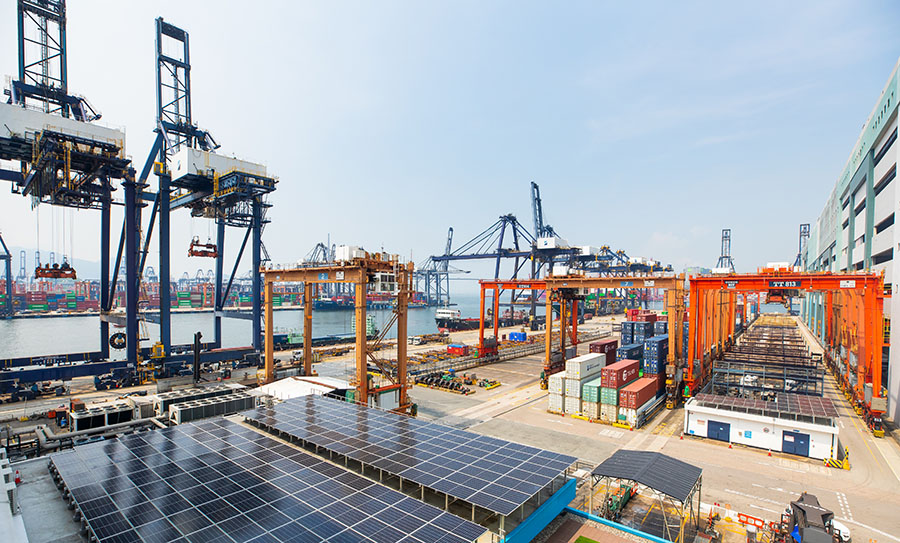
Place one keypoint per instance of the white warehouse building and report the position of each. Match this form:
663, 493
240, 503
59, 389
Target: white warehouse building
855, 230
795, 424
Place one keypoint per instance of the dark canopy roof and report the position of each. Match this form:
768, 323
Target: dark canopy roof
662, 473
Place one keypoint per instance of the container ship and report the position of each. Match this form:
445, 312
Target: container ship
451, 320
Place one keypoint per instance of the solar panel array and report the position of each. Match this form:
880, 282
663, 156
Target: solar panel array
494, 474
217, 481
787, 403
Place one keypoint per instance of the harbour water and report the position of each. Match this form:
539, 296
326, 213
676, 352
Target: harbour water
58, 335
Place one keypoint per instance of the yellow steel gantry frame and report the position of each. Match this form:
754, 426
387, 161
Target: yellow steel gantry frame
359, 272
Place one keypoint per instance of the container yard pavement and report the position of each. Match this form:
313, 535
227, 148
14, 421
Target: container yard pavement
742, 479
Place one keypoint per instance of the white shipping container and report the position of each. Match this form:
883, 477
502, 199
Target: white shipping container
573, 406
590, 410
573, 388
348, 252
560, 270
608, 412
584, 366
557, 384
589, 250
556, 403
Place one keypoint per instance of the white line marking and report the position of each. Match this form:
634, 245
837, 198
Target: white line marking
867, 527
764, 508
744, 494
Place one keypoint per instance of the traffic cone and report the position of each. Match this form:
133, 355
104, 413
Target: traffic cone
18, 478
682, 436
729, 446
770, 452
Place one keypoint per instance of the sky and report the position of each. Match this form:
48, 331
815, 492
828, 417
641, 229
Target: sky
648, 128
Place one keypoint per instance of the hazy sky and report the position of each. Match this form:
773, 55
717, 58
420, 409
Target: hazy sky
648, 129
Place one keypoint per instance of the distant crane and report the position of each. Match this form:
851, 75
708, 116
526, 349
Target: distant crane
23, 273
540, 229
6, 256
725, 260
432, 277
804, 238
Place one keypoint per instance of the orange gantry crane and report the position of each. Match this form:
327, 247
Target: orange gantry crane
569, 290
853, 326
387, 275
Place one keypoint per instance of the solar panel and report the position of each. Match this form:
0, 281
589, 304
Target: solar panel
218, 481
787, 403
491, 473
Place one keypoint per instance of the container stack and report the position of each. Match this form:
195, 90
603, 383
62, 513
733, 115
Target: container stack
656, 350
518, 336
605, 347
590, 398
627, 332
634, 351
636, 398
660, 328
643, 330
612, 379
645, 316
579, 371
556, 385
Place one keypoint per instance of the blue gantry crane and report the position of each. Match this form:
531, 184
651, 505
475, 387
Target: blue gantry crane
65, 159
508, 239
432, 277
190, 174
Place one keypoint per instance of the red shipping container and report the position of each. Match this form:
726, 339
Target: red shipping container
604, 346
661, 377
631, 314
619, 374
638, 393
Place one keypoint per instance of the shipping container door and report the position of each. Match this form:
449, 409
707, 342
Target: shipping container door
718, 430
795, 443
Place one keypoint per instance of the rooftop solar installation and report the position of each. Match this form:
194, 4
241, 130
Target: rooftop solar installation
491, 473
786, 403
218, 481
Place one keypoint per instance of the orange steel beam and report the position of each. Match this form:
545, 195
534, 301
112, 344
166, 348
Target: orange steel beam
307, 327
498, 285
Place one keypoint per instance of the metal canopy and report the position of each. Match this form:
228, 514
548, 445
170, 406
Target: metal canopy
217, 481
662, 473
496, 475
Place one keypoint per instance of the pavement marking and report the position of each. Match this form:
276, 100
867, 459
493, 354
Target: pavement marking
609, 432
744, 494
560, 422
764, 508
841, 422
781, 467
867, 527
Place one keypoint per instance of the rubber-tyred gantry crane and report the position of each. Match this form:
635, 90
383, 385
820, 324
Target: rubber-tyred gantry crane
386, 274
853, 328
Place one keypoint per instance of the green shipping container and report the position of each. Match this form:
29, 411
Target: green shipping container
182, 294
590, 392
609, 396
38, 307
70, 296
72, 305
